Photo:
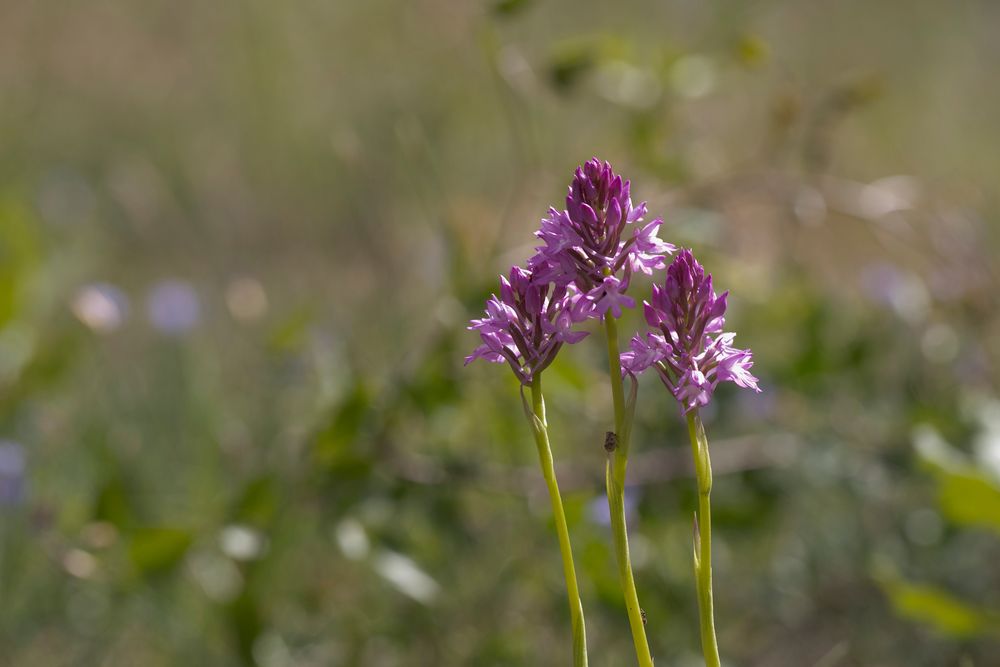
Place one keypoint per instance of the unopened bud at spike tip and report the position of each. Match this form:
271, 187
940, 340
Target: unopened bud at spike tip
597, 243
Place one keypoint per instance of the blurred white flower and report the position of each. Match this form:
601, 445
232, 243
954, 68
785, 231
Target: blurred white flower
810, 206
100, 307
987, 442
241, 542
940, 343
888, 195
246, 299
79, 563
406, 575
219, 577
628, 85
352, 539
935, 449
270, 650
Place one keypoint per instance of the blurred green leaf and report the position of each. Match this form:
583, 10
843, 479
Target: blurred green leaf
259, 502
246, 623
969, 498
337, 445
752, 51
938, 609
19, 252
511, 7
50, 361
291, 332
966, 496
436, 383
569, 64
158, 550
113, 505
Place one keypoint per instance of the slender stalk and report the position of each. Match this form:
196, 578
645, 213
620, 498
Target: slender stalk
615, 479
703, 539
540, 428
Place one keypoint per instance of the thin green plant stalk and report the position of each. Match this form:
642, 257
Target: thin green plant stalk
703, 539
540, 429
615, 480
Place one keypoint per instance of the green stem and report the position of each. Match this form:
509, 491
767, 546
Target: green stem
540, 428
615, 479
703, 539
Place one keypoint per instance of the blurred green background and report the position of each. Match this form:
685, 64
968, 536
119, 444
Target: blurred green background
239, 243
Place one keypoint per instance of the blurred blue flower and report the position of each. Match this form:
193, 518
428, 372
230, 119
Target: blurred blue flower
598, 512
905, 292
13, 465
173, 307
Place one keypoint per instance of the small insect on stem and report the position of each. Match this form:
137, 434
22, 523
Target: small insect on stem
643, 612
610, 442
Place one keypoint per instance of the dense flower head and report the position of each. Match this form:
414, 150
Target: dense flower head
597, 242
689, 350
526, 325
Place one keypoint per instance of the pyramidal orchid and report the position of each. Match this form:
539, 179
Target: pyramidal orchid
688, 348
589, 252
526, 326
692, 355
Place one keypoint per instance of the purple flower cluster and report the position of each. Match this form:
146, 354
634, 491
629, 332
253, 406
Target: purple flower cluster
588, 244
689, 350
591, 250
526, 325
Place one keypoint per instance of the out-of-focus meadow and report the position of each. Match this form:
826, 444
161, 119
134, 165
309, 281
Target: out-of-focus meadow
239, 243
